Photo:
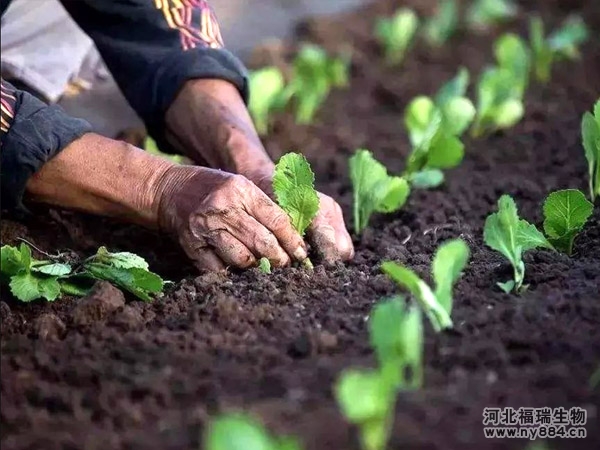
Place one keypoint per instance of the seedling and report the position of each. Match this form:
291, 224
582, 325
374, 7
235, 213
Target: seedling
457, 110
512, 236
264, 265
565, 214
443, 25
396, 34
151, 147
242, 432
294, 188
562, 43
314, 74
483, 14
449, 261
590, 130
367, 397
374, 190
266, 95
31, 279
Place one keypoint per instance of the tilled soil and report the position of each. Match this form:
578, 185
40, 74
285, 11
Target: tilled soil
113, 373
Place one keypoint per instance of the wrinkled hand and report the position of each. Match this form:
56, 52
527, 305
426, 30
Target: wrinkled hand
327, 233
222, 220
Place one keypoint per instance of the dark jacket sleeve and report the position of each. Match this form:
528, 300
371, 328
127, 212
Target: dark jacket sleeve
31, 133
152, 47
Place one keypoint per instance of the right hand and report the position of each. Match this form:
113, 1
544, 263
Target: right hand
222, 220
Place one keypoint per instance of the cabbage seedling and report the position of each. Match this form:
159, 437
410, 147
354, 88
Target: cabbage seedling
483, 14
241, 432
565, 214
374, 190
449, 261
314, 74
266, 89
563, 42
505, 232
396, 34
264, 265
457, 110
294, 189
442, 26
590, 130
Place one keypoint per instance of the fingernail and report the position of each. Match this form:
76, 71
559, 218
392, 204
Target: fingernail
300, 254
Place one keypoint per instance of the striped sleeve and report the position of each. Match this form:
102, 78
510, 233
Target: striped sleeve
9, 101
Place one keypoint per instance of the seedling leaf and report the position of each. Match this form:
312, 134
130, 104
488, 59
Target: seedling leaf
564, 41
55, 270
265, 86
565, 214
426, 179
396, 34
264, 265
485, 13
448, 263
590, 131
442, 26
293, 185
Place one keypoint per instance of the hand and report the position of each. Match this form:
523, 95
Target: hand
327, 233
224, 220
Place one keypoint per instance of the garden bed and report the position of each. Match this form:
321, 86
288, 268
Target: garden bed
148, 376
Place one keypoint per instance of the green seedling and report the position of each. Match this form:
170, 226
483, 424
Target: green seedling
31, 279
241, 432
590, 130
314, 75
483, 14
457, 110
396, 34
505, 232
294, 189
562, 43
264, 265
443, 25
374, 190
512, 54
266, 88
449, 261
565, 214
151, 147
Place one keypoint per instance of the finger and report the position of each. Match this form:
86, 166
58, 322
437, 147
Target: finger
260, 241
330, 236
272, 217
342, 237
207, 259
231, 251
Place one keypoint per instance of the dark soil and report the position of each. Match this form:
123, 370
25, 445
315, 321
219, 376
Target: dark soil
148, 376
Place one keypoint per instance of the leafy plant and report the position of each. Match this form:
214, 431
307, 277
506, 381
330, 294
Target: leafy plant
563, 42
565, 214
314, 74
374, 190
264, 265
367, 397
590, 130
30, 279
241, 432
396, 34
443, 25
151, 147
457, 109
294, 188
266, 88
483, 14
512, 236
449, 261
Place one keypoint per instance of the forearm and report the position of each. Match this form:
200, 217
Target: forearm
101, 176
209, 123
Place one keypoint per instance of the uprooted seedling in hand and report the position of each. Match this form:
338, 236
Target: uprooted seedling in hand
439, 28
238, 431
294, 189
565, 214
31, 279
563, 43
266, 88
483, 14
505, 232
374, 190
396, 33
448, 263
367, 396
590, 130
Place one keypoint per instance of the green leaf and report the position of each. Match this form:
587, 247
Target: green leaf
590, 131
485, 13
25, 287
512, 54
565, 214
49, 288
121, 260
396, 34
529, 237
55, 269
426, 179
448, 263
541, 50
446, 151
455, 88
443, 25
564, 41
265, 86
507, 286
26, 260
10, 261
264, 265
418, 118
139, 282
363, 395
396, 334
405, 277
70, 287
458, 115
374, 190
293, 185
508, 114
237, 432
